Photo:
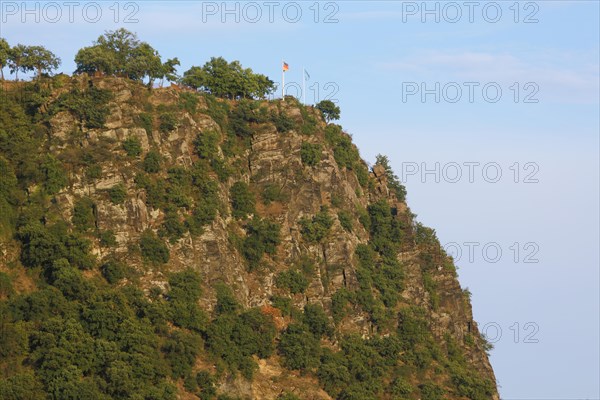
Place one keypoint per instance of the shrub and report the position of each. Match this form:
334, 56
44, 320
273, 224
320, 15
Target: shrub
181, 350
345, 219
316, 229
272, 192
242, 200
393, 181
153, 249
207, 144
317, 321
113, 271
167, 122
54, 175
172, 227
89, 106
293, 281
262, 237
145, 121
93, 172
118, 193
282, 122
310, 154
84, 211
152, 162
299, 348
132, 146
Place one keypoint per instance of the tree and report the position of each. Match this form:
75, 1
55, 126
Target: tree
242, 200
228, 80
95, 58
329, 110
16, 59
392, 179
40, 59
121, 53
4, 55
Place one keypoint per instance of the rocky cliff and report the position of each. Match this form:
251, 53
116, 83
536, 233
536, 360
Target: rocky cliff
266, 200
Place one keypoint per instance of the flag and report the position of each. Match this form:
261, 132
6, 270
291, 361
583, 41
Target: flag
285, 66
306, 75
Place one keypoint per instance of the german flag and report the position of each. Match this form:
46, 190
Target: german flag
285, 66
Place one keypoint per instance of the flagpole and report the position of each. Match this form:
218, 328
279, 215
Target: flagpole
282, 82
303, 86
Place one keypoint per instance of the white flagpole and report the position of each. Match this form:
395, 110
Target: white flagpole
282, 82
303, 86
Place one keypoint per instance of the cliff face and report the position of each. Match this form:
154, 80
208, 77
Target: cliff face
370, 265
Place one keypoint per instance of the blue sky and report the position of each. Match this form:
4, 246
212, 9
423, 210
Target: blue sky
371, 56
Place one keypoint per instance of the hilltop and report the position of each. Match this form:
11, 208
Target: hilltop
167, 243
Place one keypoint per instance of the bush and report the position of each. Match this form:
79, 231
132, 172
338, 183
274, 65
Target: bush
293, 281
207, 145
145, 121
113, 271
272, 192
153, 249
310, 154
93, 172
132, 146
167, 122
181, 350
317, 321
242, 200
84, 214
345, 219
89, 106
282, 122
316, 229
117, 193
262, 237
299, 348
152, 162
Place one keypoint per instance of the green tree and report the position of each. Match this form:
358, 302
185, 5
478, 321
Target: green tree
4, 55
299, 348
17, 59
329, 110
263, 237
310, 154
153, 249
40, 59
242, 200
393, 181
228, 80
95, 58
152, 162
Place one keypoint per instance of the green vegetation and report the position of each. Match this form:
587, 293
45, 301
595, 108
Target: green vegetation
315, 230
22, 58
89, 106
228, 80
329, 110
132, 146
153, 249
117, 193
152, 162
310, 154
393, 181
121, 53
80, 319
262, 237
242, 200
294, 281
345, 219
